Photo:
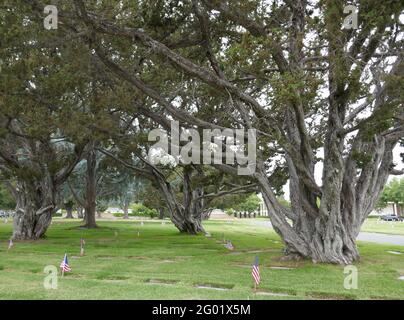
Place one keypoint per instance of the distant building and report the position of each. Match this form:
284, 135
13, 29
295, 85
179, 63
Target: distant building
116, 210
395, 209
220, 215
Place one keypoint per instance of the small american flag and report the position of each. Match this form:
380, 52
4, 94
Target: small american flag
256, 272
65, 265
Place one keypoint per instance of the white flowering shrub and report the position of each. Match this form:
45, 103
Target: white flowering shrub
158, 156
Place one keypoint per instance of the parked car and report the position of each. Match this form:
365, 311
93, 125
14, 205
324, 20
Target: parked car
391, 217
6, 214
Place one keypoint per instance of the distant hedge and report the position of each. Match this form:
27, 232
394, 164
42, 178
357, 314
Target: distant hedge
139, 210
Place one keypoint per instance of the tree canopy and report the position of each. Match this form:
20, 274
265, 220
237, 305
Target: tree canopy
314, 92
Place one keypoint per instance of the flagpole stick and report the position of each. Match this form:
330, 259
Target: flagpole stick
255, 287
63, 272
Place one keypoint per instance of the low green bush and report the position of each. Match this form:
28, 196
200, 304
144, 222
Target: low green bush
118, 215
139, 210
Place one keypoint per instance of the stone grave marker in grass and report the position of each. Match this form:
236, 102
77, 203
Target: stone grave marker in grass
281, 268
269, 293
214, 286
102, 257
161, 281
112, 278
394, 252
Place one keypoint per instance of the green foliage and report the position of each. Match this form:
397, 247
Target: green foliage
69, 204
7, 201
237, 202
250, 204
229, 201
139, 209
102, 206
393, 192
118, 214
361, 158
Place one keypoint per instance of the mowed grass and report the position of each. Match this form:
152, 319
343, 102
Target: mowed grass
161, 263
374, 224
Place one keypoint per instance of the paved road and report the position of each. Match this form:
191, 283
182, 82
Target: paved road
381, 238
363, 236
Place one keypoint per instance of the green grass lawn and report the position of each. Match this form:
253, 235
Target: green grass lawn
374, 224
164, 264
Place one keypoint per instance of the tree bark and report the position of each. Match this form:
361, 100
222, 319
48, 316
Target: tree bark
126, 210
186, 217
69, 213
91, 190
80, 213
35, 206
161, 213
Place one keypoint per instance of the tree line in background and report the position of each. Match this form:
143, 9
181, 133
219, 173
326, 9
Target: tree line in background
393, 193
77, 104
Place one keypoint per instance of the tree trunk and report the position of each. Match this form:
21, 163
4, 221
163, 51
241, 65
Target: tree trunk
91, 190
126, 210
161, 213
69, 213
80, 213
35, 206
187, 218
327, 231
193, 204
206, 214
